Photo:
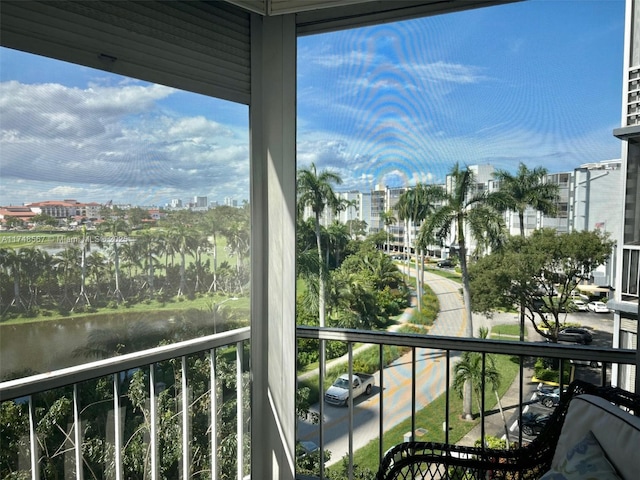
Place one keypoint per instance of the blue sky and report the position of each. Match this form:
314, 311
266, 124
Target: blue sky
538, 82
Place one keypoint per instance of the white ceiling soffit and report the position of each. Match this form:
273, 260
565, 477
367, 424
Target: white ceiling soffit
317, 16
203, 47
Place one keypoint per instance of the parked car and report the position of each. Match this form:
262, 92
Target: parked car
598, 307
533, 423
590, 363
446, 263
548, 396
338, 393
579, 305
575, 335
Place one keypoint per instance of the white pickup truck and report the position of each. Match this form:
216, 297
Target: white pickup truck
338, 393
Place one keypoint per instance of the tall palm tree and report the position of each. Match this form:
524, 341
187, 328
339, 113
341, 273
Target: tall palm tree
183, 240
85, 246
414, 205
315, 190
517, 192
148, 247
388, 219
11, 261
526, 188
462, 209
114, 228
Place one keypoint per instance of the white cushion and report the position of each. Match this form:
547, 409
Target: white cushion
617, 432
584, 461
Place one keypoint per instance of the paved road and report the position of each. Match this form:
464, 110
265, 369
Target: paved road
430, 370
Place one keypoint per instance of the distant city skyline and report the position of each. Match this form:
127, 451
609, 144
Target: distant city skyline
537, 82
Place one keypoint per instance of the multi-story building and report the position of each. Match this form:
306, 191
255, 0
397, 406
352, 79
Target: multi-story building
200, 202
63, 210
627, 292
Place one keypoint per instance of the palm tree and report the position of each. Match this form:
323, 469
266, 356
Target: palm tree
11, 260
66, 264
470, 370
388, 219
413, 207
85, 246
315, 190
337, 240
148, 246
525, 189
213, 227
113, 228
183, 240
462, 209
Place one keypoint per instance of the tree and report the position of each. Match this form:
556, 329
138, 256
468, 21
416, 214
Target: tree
85, 245
315, 190
13, 222
183, 239
388, 219
11, 261
525, 189
472, 369
538, 272
112, 229
414, 205
44, 219
337, 239
462, 209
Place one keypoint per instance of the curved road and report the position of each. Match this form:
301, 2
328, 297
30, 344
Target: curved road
430, 370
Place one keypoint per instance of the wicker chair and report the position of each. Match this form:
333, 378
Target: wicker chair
429, 460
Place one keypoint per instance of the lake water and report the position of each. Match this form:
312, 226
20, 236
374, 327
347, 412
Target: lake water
39, 347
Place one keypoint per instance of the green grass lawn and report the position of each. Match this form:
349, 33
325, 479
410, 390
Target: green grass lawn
507, 331
205, 303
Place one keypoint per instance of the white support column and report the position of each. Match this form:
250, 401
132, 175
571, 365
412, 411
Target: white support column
273, 203
153, 413
77, 432
33, 439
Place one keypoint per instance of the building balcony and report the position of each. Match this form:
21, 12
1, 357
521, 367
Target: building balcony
152, 414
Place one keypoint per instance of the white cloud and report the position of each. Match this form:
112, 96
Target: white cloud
58, 139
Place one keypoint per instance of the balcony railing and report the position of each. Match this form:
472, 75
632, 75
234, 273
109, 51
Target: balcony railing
185, 374
156, 397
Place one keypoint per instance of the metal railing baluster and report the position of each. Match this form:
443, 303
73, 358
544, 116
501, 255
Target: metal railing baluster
185, 420
153, 430
240, 415
77, 432
33, 438
117, 427
214, 414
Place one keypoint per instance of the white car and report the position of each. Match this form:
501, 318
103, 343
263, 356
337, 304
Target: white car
598, 307
580, 305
